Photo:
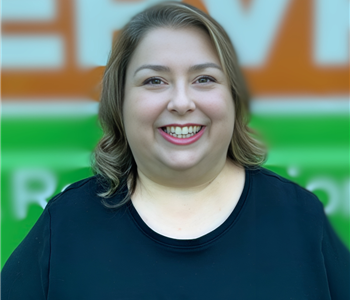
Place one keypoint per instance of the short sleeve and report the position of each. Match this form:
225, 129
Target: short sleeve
26, 273
337, 263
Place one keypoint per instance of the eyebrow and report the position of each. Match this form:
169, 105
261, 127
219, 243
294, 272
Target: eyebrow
160, 68
204, 66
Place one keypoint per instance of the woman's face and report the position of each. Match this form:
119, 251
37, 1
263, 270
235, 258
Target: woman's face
175, 86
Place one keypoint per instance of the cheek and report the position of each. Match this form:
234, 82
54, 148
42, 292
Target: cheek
220, 108
141, 111
140, 107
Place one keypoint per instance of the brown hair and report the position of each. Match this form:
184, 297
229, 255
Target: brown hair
113, 159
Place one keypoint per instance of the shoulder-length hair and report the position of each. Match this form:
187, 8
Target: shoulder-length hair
113, 159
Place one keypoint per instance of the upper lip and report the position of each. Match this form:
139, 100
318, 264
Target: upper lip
182, 125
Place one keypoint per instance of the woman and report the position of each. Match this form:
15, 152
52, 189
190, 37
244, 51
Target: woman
186, 212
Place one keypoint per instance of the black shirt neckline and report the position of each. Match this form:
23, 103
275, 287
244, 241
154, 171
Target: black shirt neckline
200, 241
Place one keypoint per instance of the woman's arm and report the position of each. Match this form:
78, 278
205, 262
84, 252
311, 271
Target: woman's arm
26, 273
337, 263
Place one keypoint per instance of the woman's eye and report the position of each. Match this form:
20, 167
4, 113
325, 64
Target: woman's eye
205, 79
154, 81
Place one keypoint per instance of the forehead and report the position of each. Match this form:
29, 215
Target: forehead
169, 46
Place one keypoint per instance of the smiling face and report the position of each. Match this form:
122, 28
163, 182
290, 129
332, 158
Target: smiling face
178, 109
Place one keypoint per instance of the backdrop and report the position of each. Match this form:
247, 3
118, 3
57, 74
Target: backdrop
294, 54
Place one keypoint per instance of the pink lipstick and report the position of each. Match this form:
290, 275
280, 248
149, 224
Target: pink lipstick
181, 141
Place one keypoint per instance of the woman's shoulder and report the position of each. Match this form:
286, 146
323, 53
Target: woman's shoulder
76, 189
83, 194
278, 189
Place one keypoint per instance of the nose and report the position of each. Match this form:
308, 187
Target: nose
181, 102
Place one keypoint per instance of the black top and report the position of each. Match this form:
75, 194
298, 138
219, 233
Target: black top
276, 244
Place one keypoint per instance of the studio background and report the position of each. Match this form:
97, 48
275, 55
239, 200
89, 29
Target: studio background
294, 54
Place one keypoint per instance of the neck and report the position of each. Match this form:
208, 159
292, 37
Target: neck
189, 211
184, 193
158, 176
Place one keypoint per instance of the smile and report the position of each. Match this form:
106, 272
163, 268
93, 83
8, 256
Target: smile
182, 135
182, 132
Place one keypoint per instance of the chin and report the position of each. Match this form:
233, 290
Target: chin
181, 165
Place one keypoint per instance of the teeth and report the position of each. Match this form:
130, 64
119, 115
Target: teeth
182, 136
183, 132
